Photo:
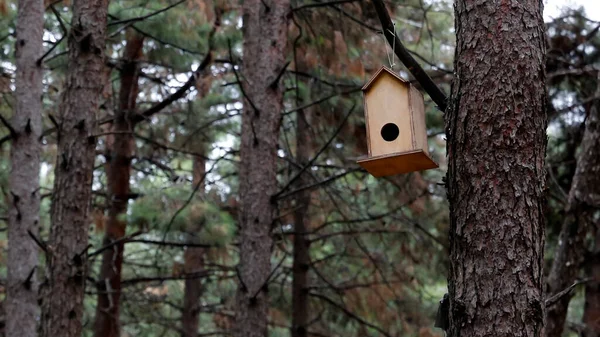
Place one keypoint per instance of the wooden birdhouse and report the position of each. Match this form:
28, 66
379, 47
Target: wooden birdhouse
396, 132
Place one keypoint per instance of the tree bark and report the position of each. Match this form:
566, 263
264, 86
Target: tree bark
21, 304
583, 201
193, 264
121, 150
496, 129
301, 262
62, 310
265, 39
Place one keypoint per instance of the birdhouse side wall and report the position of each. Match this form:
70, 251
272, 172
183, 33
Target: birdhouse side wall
387, 101
418, 118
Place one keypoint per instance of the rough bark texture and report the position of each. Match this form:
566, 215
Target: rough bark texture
300, 318
496, 129
591, 309
121, 150
265, 28
583, 201
193, 265
22, 283
62, 310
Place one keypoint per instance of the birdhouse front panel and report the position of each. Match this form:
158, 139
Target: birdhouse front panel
387, 108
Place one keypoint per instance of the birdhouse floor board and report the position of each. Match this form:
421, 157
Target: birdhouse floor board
398, 163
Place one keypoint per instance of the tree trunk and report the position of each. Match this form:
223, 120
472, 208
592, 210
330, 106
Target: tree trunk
193, 264
301, 263
496, 129
62, 310
590, 149
22, 283
584, 200
118, 173
265, 39
591, 309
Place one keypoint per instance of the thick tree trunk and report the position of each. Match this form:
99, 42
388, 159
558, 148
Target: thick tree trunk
265, 28
301, 263
62, 310
584, 200
22, 283
496, 129
193, 265
118, 173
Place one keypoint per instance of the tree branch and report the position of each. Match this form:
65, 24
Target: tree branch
348, 313
183, 90
144, 17
309, 164
556, 297
406, 58
11, 130
322, 4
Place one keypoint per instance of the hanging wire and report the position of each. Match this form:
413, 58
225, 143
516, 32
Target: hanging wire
392, 59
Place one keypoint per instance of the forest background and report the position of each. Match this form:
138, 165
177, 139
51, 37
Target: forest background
370, 256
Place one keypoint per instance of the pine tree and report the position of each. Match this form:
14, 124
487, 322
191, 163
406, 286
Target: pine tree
120, 154
496, 125
22, 282
265, 39
62, 309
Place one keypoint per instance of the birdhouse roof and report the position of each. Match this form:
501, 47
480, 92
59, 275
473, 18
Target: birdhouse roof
379, 73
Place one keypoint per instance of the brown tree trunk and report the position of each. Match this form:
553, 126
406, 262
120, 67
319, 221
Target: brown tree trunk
591, 309
62, 310
301, 264
496, 129
584, 200
193, 264
301, 244
265, 39
21, 304
118, 173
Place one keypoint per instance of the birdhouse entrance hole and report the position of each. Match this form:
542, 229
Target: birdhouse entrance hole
390, 132
394, 110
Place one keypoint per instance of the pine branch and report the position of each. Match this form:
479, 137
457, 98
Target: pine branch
348, 313
406, 58
309, 164
190, 82
144, 17
323, 4
556, 297
11, 130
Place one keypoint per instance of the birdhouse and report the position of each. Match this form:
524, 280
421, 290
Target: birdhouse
396, 132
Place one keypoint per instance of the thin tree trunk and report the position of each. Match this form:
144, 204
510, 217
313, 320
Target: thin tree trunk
584, 200
118, 174
301, 264
496, 129
62, 310
21, 304
193, 264
591, 309
193, 257
265, 39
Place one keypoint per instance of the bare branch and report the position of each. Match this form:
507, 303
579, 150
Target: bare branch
406, 58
